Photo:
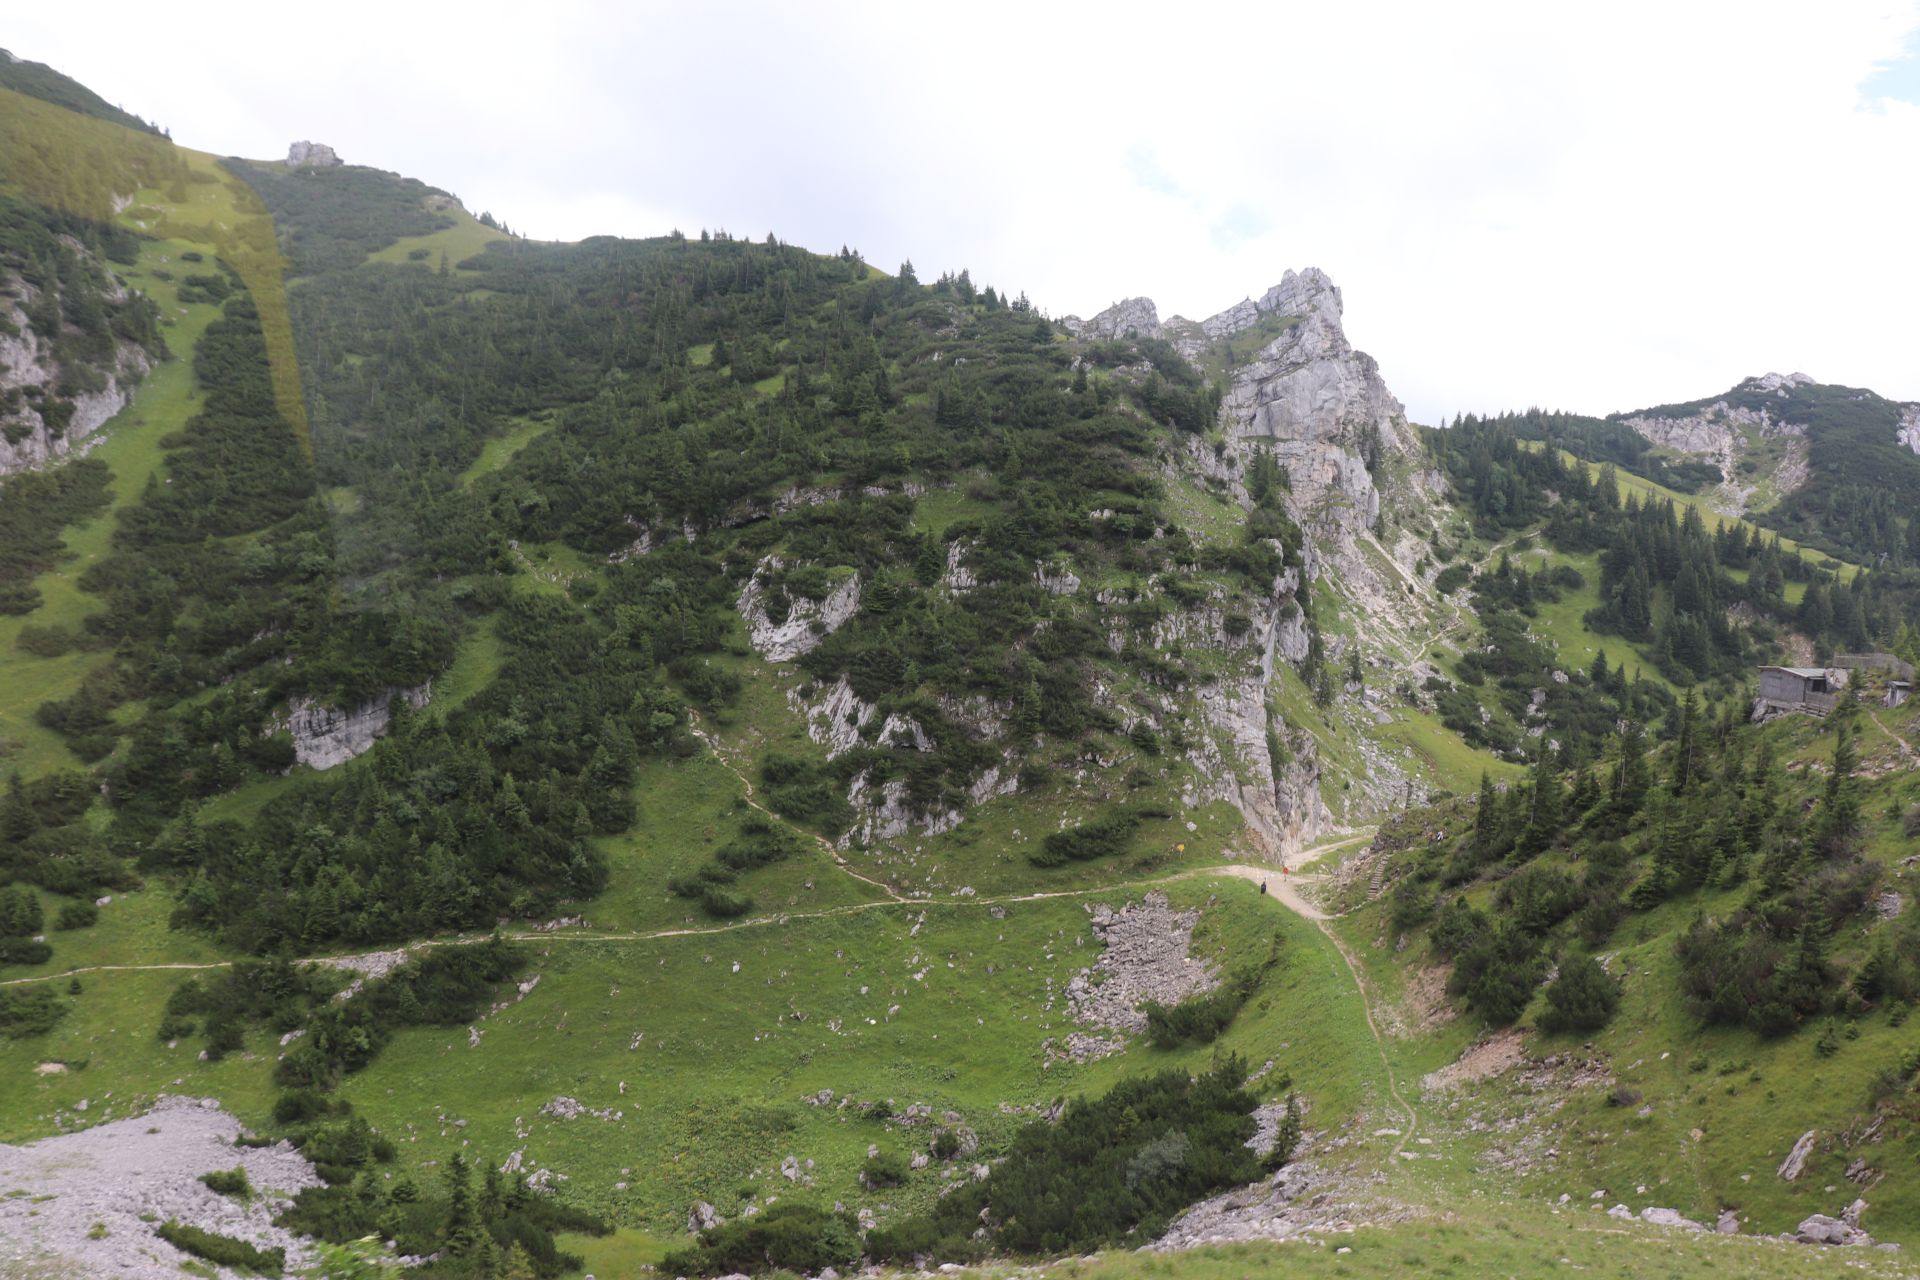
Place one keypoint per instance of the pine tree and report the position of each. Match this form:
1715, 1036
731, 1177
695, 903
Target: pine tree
463, 1230
1628, 786
1807, 976
16, 815
1548, 809
1581, 998
1876, 972
1027, 710
1287, 1139
1684, 746
1837, 824
519, 1264
1486, 820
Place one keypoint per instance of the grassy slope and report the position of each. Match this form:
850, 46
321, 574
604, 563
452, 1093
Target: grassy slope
1498, 1239
197, 207
130, 446
499, 451
957, 1006
1723, 1106
1646, 489
467, 237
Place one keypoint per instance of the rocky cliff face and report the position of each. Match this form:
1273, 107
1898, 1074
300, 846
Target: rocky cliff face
311, 155
1315, 403
1727, 435
1909, 434
806, 623
1304, 397
1322, 410
326, 736
1134, 317
49, 410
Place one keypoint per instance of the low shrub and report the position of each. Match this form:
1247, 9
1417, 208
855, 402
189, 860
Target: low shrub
1100, 838
229, 1182
223, 1251
76, 915
1113, 1171
1581, 998
884, 1169
791, 1237
29, 1011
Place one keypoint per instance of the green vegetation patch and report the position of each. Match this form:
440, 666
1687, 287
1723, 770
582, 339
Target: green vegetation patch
221, 1250
1113, 1171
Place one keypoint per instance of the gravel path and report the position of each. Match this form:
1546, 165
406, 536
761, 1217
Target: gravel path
118, 1181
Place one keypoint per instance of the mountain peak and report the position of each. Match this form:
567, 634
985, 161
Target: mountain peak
1306, 292
1781, 382
1137, 317
311, 155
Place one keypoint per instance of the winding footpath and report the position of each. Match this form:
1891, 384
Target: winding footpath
1287, 895
1281, 888
825, 845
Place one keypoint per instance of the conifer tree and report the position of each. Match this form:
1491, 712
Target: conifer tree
1548, 809
1837, 824
1684, 747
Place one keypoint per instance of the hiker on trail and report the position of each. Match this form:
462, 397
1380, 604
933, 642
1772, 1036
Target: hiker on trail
1263, 886
1283, 869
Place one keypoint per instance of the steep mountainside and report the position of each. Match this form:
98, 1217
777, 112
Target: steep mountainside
1295, 393
74, 340
38, 80
1835, 467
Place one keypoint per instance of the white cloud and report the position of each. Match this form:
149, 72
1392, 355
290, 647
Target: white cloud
1601, 210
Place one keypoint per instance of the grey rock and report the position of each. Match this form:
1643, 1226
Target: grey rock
327, 736
807, 621
311, 155
1130, 317
27, 363
147, 1165
1056, 579
1144, 958
1820, 1229
1908, 433
1796, 1162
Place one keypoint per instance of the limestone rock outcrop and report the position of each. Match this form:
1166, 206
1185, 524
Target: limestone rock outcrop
1312, 403
1130, 317
1796, 1162
311, 155
1781, 383
1909, 431
32, 433
1844, 1230
1721, 434
326, 736
1320, 407
807, 622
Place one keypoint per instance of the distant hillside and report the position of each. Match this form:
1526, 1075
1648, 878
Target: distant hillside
332, 218
38, 80
1831, 466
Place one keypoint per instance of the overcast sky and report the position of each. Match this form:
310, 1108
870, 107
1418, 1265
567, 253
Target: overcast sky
1593, 209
